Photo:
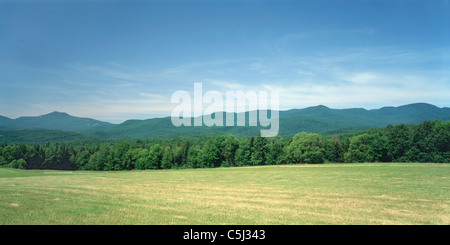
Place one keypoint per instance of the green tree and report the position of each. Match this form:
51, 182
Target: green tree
34, 157
82, 158
194, 159
142, 159
399, 141
334, 151
306, 148
259, 151
179, 155
440, 138
167, 160
276, 152
229, 147
19, 164
130, 158
98, 160
358, 150
154, 157
211, 153
378, 148
56, 157
244, 152
118, 156
2, 161
7, 153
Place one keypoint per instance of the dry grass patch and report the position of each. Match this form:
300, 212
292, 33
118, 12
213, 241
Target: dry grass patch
291, 194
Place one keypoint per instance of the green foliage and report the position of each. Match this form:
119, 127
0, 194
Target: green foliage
42, 136
259, 151
358, 149
20, 164
399, 139
154, 157
81, 159
317, 119
211, 155
2, 161
99, 160
306, 148
229, 147
334, 150
425, 142
276, 151
431, 142
194, 158
167, 159
244, 152
55, 127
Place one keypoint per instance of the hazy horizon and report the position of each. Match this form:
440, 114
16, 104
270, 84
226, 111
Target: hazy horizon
165, 116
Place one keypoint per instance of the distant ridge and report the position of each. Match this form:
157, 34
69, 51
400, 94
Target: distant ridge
320, 119
55, 121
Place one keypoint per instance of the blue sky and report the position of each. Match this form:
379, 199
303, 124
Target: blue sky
120, 60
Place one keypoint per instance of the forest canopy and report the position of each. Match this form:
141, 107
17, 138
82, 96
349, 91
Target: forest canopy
425, 142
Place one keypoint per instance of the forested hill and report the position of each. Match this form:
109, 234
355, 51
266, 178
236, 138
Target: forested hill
317, 119
53, 121
425, 142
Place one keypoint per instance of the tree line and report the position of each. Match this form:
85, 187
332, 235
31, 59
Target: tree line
425, 142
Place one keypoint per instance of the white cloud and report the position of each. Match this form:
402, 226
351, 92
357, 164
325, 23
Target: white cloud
226, 84
401, 90
361, 78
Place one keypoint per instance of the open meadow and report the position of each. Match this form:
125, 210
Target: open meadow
371, 193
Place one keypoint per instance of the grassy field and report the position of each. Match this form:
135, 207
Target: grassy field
385, 193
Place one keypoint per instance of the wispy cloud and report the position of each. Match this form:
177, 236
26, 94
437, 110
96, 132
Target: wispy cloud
355, 77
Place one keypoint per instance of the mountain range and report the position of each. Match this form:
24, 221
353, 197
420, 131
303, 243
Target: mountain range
58, 126
55, 121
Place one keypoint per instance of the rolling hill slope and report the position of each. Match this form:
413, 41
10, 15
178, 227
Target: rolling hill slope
42, 136
320, 119
53, 121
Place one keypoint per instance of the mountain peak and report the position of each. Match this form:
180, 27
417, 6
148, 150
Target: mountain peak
421, 105
58, 113
55, 120
320, 107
